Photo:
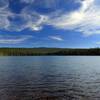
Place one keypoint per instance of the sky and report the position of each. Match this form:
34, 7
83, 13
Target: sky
50, 23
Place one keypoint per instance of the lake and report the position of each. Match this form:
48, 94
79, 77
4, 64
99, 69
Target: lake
50, 78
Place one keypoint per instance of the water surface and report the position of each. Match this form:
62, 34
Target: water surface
50, 78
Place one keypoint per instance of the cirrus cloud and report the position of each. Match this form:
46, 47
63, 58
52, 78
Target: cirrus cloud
13, 39
57, 38
34, 15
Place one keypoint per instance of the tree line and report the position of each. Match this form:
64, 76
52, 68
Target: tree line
47, 51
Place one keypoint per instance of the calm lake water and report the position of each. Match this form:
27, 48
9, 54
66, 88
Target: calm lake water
50, 78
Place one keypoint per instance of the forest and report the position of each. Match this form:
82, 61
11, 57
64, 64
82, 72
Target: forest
48, 51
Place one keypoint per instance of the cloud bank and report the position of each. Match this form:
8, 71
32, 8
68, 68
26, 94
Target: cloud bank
35, 14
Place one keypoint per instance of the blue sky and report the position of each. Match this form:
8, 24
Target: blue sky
50, 23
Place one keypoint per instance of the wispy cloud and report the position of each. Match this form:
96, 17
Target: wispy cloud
13, 39
98, 43
85, 19
57, 38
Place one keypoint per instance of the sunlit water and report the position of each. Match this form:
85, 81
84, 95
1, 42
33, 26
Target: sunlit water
50, 78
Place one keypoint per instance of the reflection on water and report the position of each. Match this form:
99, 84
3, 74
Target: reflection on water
50, 78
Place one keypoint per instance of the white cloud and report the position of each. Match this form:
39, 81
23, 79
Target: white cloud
18, 22
13, 40
90, 24
38, 25
57, 38
98, 43
86, 19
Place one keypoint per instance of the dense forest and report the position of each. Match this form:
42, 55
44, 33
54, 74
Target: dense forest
47, 51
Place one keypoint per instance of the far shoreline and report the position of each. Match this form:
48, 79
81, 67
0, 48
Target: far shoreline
49, 51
